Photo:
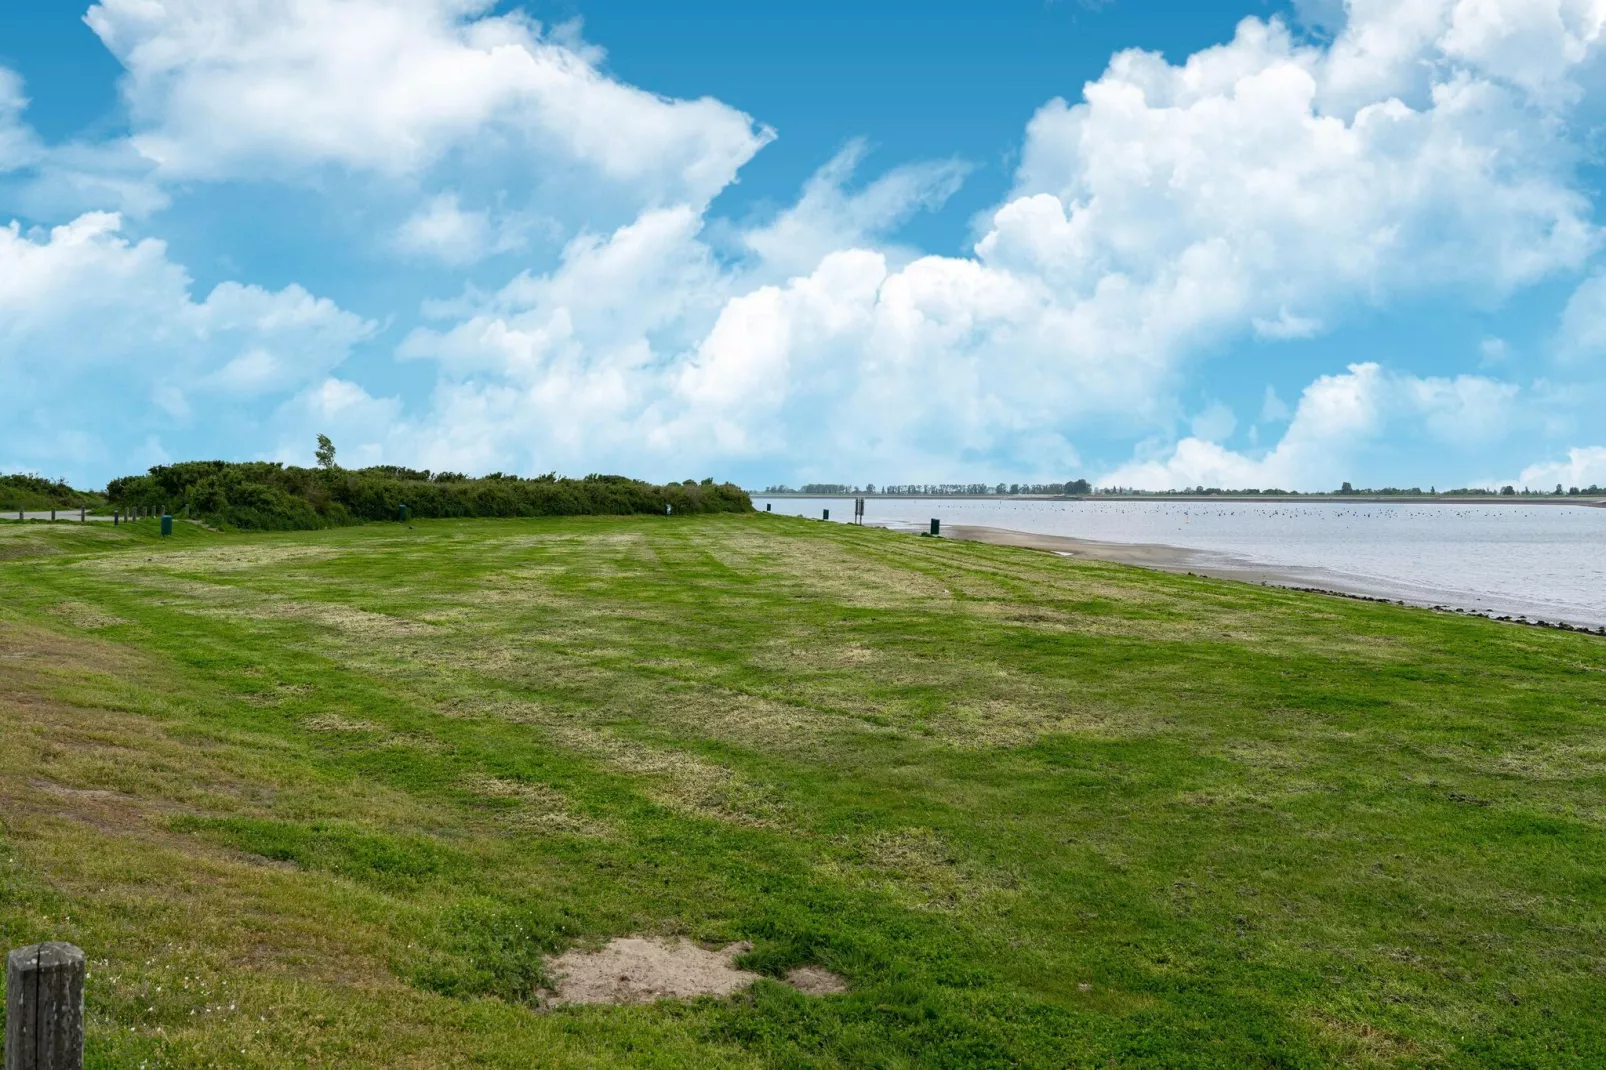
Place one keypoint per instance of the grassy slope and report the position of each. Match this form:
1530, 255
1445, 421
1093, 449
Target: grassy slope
328, 798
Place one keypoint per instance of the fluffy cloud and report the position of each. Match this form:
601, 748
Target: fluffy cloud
1338, 418
828, 218
1582, 336
1584, 467
1262, 186
18, 146
226, 88
153, 348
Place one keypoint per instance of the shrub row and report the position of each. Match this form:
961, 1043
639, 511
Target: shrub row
268, 496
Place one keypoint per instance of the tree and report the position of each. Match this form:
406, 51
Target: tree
1346, 488
1078, 486
325, 453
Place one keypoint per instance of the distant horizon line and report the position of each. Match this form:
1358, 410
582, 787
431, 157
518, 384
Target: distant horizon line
1572, 494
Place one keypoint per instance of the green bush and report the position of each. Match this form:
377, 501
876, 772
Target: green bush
36, 492
261, 495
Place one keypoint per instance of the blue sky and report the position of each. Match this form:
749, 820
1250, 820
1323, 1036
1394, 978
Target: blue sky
1154, 244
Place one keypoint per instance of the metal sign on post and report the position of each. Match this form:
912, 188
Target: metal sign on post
858, 510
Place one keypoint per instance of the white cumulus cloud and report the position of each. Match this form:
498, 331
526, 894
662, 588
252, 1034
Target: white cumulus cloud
227, 88
1338, 418
1584, 467
152, 346
1261, 187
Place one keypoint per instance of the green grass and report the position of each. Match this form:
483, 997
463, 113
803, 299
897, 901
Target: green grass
331, 798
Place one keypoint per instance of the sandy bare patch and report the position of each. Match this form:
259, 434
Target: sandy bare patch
816, 981
633, 969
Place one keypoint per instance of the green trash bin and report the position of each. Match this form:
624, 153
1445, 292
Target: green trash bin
401, 513
167, 524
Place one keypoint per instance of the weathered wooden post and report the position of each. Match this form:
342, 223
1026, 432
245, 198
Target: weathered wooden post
45, 1007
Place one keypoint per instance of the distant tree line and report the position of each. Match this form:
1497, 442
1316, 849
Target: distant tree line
265, 495
34, 491
1081, 487
1075, 486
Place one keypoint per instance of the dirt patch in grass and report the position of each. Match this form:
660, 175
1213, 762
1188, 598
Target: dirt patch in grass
816, 981
635, 969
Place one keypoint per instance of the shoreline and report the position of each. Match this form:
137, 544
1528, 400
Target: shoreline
1587, 501
1180, 559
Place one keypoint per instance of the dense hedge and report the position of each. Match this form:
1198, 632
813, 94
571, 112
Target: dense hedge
268, 496
36, 492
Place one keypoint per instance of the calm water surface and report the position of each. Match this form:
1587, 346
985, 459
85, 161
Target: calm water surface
1547, 562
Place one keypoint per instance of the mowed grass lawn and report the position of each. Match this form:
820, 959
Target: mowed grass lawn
331, 798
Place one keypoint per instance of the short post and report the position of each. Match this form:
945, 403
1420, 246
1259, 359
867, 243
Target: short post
827, 515
52, 514
936, 526
767, 507
116, 516
45, 1007
83, 514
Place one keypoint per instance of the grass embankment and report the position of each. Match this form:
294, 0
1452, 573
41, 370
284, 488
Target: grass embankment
329, 798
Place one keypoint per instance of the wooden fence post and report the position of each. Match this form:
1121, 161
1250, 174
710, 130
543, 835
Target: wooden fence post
45, 1007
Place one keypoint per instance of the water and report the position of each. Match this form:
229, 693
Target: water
1543, 562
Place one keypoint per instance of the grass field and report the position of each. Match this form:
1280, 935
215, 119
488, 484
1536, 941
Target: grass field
331, 798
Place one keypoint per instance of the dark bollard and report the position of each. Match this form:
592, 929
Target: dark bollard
52, 514
767, 507
936, 526
116, 516
45, 1007
827, 515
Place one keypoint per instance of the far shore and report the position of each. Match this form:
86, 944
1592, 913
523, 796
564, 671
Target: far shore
1587, 500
